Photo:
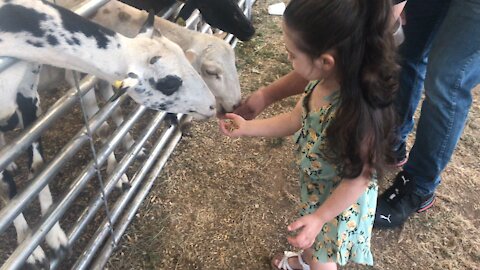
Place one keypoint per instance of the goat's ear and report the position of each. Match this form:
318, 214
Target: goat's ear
191, 55
147, 28
211, 68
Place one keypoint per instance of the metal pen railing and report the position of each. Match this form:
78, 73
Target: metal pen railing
103, 243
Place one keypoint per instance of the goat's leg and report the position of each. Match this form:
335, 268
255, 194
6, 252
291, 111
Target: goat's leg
7, 191
56, 237
91, 107
28, 102
12, 167
106, 91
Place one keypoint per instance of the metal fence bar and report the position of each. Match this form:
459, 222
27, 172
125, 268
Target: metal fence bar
12, 151
90, 211
103, 256
102, 232
24, 249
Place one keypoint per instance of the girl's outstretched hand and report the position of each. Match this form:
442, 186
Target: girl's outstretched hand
308, 227
233, 125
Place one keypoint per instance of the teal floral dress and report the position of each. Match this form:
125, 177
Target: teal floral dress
346, 237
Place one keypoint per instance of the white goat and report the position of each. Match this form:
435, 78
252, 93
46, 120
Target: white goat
212, 57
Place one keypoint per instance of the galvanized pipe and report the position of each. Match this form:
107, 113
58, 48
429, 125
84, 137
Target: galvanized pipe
39, 182
11, 211
90, 211
21, 253
102, 232
103, 256
20, 201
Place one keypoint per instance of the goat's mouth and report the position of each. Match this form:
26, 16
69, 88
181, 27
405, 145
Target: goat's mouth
221, 112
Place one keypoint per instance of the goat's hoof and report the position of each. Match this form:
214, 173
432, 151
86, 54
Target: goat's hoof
12, 168
63, 252
37, 260
142, 154
126, 186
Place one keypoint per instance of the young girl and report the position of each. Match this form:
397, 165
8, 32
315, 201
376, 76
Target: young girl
343, 125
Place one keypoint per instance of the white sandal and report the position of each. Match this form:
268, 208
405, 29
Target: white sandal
283, 264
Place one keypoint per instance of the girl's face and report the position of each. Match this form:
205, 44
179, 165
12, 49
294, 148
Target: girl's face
302, 63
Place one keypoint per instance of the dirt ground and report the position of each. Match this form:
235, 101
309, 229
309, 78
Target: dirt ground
223, 203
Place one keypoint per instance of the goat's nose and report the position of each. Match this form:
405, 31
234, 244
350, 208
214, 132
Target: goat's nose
236, 105
212, 107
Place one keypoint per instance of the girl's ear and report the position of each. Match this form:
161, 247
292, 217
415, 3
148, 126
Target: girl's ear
326, 62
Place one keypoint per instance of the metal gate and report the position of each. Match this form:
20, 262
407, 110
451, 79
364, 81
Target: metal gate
118, 211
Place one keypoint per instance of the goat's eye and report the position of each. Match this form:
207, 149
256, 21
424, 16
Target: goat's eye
211, 72
154, 59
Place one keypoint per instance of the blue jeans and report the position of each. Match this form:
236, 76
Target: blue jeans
442, 53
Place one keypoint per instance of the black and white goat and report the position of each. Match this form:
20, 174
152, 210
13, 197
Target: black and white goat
21, 113
155, 73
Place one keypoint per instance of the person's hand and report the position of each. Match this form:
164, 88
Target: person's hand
233, 125
308, 227
252, 106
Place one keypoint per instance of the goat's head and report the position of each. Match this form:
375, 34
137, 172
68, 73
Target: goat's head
160, 77
216, 65
225, 15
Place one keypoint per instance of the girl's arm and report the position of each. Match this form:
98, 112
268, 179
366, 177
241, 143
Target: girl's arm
288, 85
345, 195
278, 126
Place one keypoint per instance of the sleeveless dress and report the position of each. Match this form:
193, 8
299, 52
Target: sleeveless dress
346, 237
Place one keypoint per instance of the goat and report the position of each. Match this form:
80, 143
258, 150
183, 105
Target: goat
155, 74
156, 71
212, 57
225, 15
19, 83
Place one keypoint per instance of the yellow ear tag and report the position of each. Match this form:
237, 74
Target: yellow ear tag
181, 21
117, 84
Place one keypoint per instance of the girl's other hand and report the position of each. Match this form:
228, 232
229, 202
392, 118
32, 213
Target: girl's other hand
308, 227
232, 125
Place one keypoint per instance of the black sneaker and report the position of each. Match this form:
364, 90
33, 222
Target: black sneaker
399, 201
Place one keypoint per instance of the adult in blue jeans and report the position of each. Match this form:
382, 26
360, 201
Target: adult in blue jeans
440, 53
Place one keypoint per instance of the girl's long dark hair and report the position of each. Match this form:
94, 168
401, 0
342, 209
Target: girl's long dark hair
358, 31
